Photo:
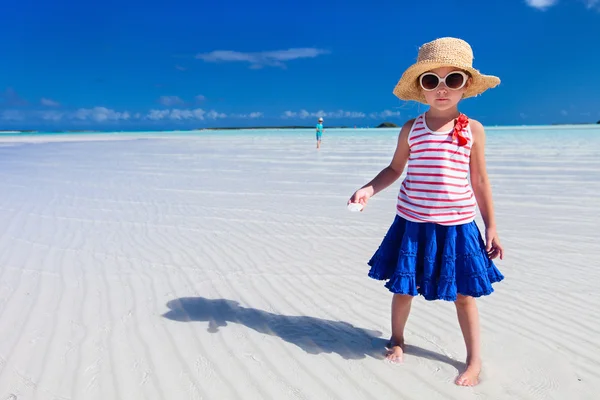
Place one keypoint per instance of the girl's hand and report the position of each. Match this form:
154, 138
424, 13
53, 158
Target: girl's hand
362, 196
493, 247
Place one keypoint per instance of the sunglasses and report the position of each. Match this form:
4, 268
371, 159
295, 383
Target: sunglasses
455, 80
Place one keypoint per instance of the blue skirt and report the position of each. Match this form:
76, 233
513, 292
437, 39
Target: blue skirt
435, 261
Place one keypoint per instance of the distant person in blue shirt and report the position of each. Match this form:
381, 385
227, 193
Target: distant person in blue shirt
319, 132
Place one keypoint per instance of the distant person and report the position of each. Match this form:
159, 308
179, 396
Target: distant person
319, 132
433, 247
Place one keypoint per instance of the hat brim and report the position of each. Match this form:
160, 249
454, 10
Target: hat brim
408, 86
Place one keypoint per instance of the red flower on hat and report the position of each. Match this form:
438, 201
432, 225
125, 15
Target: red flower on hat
459, 124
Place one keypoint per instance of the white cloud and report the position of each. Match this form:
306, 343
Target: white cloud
388, 113
303, 114
184, 114
180, 68
252, 115
347, 114
384, 114
96, 114
49, 102
99, 114
293, 114
177, 114
169, 101
107, 115
157, 115
545, 4
541, 4
215, 115
262, 58
200, 98
52, 115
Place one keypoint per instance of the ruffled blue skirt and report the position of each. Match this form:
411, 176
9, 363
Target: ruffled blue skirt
435, 261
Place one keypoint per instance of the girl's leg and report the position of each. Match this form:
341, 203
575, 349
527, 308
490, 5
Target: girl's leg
400, 311
468, 318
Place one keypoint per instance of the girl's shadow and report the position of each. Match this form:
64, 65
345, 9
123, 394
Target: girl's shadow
313, 335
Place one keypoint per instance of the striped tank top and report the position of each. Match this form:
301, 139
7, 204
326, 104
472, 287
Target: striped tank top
436, 188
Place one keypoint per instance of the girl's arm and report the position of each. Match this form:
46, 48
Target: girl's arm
392, 172
483, 190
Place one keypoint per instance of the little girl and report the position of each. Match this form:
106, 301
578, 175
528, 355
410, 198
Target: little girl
434, 247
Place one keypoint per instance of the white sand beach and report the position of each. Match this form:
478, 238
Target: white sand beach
225, 265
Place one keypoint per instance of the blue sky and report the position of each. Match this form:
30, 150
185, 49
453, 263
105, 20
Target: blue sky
133, 64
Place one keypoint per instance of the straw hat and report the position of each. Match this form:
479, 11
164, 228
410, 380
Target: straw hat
444, 52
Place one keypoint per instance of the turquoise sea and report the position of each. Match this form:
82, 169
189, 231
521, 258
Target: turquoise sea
516, 130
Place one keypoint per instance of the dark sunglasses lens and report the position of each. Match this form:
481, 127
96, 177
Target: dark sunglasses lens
455, 80
429, 81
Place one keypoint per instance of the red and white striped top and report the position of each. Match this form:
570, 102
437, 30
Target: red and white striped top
436, 188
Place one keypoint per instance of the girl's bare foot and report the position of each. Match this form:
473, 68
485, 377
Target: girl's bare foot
395, 351
470, 377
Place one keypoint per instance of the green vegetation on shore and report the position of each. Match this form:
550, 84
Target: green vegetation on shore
387, 125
